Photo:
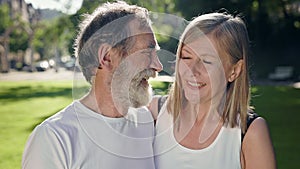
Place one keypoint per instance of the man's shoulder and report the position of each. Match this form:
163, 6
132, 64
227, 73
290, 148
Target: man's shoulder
63, 117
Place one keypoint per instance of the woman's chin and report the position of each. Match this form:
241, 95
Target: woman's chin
193, 98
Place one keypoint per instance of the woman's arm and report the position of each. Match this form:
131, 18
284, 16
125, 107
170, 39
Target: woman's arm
257, 147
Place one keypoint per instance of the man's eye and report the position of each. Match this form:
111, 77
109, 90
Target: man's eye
152, 46
148, 51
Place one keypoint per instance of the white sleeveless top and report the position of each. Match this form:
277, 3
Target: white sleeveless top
223, 153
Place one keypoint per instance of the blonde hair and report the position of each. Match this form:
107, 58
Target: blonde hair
232, 40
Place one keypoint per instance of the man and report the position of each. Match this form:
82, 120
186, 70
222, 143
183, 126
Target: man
109, 127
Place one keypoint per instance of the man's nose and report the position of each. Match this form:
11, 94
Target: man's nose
156, 64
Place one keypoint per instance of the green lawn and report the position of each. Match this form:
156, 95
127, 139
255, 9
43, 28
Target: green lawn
280, 106
22, 106
25, 104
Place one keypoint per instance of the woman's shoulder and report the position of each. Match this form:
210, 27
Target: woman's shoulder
156, 104
257, 127
257, 146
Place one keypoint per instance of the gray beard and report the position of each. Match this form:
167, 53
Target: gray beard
138, 95
130, 93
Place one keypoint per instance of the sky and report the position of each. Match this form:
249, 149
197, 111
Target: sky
66, 6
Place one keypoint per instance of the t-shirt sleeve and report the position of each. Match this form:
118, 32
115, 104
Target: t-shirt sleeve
44, 150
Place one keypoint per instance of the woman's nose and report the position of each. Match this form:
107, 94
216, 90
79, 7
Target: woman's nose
198, 67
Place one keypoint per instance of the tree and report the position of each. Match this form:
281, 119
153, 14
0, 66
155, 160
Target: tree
273, 25
14, 34
6, 27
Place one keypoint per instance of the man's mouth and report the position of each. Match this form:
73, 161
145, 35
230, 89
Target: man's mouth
144, 81
143, 78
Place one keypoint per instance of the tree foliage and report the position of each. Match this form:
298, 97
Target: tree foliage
273, 25
53, 34
5, 18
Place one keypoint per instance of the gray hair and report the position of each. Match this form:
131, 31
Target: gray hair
107, 24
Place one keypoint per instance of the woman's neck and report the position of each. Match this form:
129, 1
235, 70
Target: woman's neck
195, 112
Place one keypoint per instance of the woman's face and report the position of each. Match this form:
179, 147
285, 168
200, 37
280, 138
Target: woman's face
201, 71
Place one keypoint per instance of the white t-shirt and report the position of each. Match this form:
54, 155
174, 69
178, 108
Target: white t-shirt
77, 137
223, 153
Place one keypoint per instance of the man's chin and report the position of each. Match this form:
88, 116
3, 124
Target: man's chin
141, 96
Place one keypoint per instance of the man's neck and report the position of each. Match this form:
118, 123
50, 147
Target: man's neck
103, 105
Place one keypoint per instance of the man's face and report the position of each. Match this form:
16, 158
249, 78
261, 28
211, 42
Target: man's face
130, 85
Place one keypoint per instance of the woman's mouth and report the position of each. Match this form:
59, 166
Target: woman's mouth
196, 84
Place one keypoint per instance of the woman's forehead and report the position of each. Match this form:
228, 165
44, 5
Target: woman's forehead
200, 45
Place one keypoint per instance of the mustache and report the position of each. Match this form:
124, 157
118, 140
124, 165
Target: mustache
147, 73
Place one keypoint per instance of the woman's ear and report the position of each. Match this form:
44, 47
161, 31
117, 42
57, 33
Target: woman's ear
236, 70
104, 55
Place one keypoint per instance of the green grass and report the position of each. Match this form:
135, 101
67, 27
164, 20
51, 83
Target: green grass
280, 106
26, 104
23, 106
160, 88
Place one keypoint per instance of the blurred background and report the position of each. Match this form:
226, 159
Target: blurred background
37, 63
36, 35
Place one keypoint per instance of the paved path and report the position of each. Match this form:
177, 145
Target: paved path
62, 74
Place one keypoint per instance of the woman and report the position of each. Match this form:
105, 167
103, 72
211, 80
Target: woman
204, 121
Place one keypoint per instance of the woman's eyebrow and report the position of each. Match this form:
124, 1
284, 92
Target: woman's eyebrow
186, 50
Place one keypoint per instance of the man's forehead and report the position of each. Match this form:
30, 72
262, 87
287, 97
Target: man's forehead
137, 27
144, 33
146, 40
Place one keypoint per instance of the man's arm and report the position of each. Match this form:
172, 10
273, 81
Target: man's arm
44, 150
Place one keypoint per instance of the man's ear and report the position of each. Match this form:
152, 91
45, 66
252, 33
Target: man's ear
236, 70
104, 55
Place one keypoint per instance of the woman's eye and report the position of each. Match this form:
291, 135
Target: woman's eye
185, 57
206, 61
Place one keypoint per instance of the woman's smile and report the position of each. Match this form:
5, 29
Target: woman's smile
197, 85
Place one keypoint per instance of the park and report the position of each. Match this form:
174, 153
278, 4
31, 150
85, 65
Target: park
31, 92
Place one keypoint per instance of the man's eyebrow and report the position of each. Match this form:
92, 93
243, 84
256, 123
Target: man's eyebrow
154, 45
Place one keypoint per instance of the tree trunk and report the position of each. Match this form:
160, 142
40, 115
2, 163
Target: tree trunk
4, 50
